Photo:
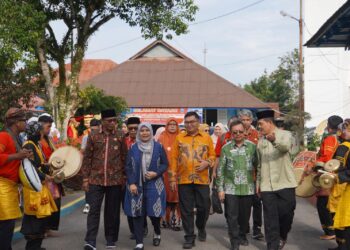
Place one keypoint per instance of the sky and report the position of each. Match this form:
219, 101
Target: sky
239, 46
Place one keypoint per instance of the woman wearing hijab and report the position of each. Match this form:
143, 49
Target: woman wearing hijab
145, 194
38, 206
159, 131
219, 129
167, 138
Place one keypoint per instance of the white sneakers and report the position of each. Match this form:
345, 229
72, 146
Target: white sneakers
86, 209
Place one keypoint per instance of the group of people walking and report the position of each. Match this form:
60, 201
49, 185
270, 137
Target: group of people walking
168, 179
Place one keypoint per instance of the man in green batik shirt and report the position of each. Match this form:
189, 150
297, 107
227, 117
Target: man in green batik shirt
235, 183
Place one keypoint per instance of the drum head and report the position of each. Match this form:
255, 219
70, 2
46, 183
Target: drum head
305, 187
305, 160
29, 177
72, 160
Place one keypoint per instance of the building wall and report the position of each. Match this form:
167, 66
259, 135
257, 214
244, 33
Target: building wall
327, 70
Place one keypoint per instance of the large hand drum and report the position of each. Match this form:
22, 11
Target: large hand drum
305, 187
65, 162
28, 176
302, 166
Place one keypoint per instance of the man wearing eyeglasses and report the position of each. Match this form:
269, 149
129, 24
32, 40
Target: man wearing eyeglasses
132, 124
193, 153
104, 177
251, 134
235, 183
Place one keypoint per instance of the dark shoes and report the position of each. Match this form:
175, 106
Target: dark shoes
243, 242
111, 245
89, 246
234, 247
257, 234
202, 235
188, 244
282, 244
156, 242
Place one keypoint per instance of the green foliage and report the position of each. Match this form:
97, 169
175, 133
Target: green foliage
314, 143
280, 85
93, 100
26, 25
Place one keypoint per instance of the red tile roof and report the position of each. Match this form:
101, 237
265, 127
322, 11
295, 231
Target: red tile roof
90, 68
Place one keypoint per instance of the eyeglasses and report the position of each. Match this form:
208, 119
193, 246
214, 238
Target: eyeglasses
132, 128
237, 132
190, 122
111, 120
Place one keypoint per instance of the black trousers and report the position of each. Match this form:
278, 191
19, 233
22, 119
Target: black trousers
6, 233
53, 221
33, 243
279, 209
131, 223
343, 238
191, 196
326, 219
257, 212
237, 213
138, 223
112, 196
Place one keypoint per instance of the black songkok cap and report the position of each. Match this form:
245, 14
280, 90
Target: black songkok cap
267, 113
108, 113
133, 120
334, 121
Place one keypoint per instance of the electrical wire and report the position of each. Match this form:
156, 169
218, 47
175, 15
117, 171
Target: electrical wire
115, 45
228, 14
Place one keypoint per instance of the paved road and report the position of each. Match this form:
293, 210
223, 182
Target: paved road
304, 235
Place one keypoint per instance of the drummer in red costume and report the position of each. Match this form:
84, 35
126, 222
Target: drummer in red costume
328, 147
11, 154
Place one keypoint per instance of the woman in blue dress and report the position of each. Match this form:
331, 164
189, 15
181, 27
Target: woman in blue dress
145, 195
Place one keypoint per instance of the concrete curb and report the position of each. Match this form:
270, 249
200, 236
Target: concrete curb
65, 210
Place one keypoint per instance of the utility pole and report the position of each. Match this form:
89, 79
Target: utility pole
301, 76
301, 107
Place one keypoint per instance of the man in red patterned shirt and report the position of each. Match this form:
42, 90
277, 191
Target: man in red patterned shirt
104, 178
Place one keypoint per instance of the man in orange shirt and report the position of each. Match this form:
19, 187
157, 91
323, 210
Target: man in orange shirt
11, 154
251, 134
193, 154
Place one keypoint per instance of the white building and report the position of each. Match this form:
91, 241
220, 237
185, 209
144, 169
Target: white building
327, 70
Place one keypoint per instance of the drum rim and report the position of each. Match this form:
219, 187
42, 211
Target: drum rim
32, 184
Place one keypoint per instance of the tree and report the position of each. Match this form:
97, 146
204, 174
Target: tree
93, 100
18, 63
82, 19
281, 86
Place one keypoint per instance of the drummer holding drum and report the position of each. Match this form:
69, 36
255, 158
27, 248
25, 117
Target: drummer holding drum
38, 201
328, 147
11, 155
